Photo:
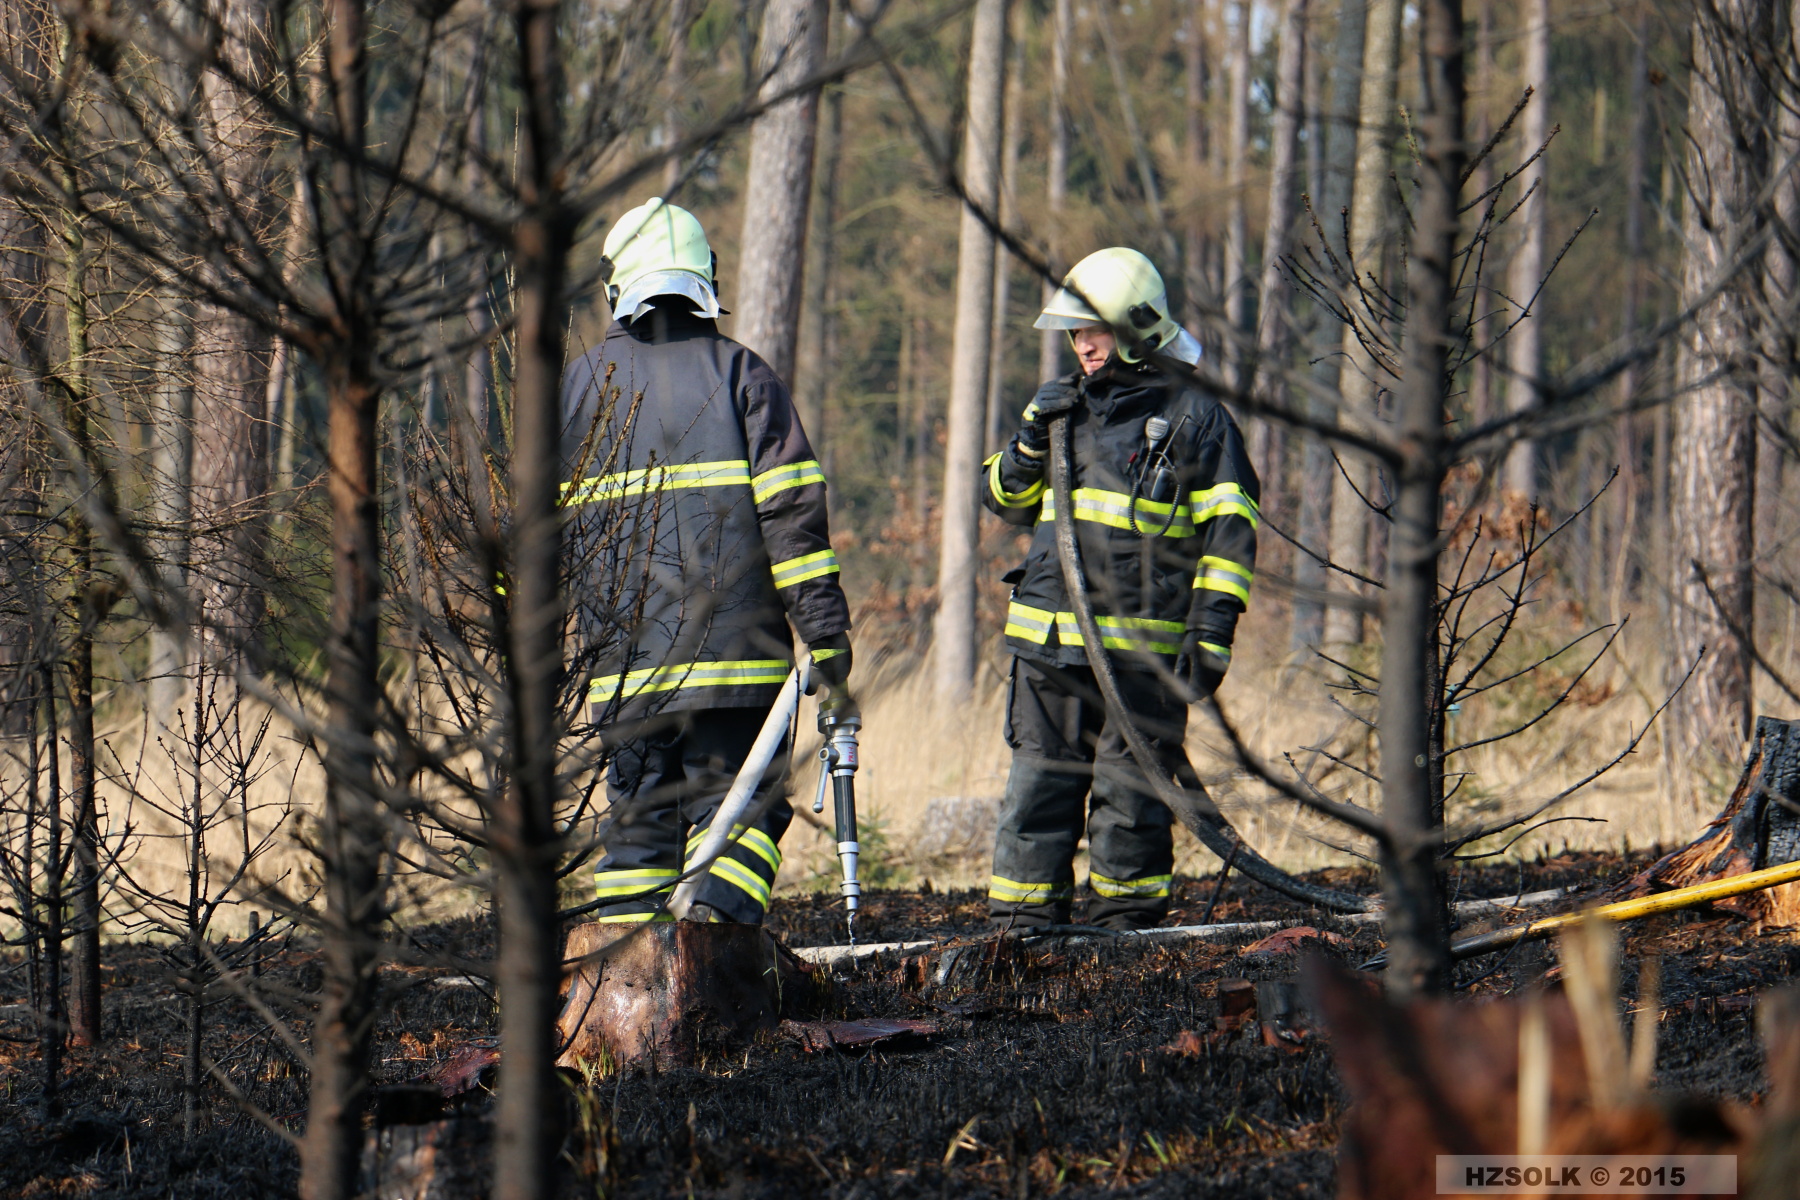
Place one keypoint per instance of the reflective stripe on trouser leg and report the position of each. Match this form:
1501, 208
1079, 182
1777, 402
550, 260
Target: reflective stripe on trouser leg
745, 871
739, 883
1033, 881
1131, 850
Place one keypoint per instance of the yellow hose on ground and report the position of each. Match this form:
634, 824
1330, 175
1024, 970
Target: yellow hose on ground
1631, 910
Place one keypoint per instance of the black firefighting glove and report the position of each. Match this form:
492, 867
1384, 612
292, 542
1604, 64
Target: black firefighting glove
1203, 665
831, 661
1057, 396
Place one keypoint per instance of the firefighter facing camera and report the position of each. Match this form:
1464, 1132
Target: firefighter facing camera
716, 544
1165, 516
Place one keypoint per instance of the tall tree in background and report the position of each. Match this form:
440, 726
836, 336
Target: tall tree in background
1359, 375
817, 320
1341, 92
1274, 297
1052, 341
955, 633
1195, 147
1009, 216
778, 188
1713, 460
1524, 345
1780, 274
1237, 172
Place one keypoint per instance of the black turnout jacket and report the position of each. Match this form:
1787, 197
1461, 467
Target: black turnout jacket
1163, 576
697, 520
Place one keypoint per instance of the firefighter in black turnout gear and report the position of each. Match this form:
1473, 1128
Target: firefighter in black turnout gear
699, 522
1165, 517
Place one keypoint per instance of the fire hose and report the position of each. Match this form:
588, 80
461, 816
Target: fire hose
1622, 910
1194, 809
839, 722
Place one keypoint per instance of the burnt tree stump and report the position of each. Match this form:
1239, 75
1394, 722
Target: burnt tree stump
1758, 827
670, 991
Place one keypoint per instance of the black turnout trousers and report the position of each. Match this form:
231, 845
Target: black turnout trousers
1072, 769
666, 782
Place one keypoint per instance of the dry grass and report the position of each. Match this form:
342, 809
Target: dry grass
932, 776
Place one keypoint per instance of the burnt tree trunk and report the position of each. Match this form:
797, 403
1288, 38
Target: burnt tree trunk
1758, 827
1412, 885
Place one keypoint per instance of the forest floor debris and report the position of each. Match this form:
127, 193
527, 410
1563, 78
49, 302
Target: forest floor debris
1071, 1070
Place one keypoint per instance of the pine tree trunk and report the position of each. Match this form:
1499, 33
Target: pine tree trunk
1195, 148
1052, 341
231, 356
1359, 379
778, 189
1626, 436
350, 836
1412, 885
1524, 345
955, 633
1337, 168
1009, 205
816, 315
1713, 451
529, 966
1274, 334
1238, 300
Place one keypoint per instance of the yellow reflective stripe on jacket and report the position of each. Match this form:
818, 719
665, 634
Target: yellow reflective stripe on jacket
636, 918
660, 478
1152, 886
754, 840
1223, 652
807, 566
1013, 891
1115, 508
684, 675
1116, 633
638, 881
1222, 500
1223, 575
1006, 499
1032, 624
780, 479
1125, 633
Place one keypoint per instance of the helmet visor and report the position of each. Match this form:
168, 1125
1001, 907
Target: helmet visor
1066, 310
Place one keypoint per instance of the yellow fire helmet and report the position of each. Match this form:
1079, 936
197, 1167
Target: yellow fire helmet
659, 249
1121, 289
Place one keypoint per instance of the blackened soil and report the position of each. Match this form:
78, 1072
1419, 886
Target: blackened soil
1048, 1077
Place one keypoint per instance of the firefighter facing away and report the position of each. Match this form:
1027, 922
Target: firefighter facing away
1165, 517
702, 537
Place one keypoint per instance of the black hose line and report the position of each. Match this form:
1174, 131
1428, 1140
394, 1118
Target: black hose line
1195, 809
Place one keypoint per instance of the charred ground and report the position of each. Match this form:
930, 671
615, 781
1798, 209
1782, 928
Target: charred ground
1051, 1076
